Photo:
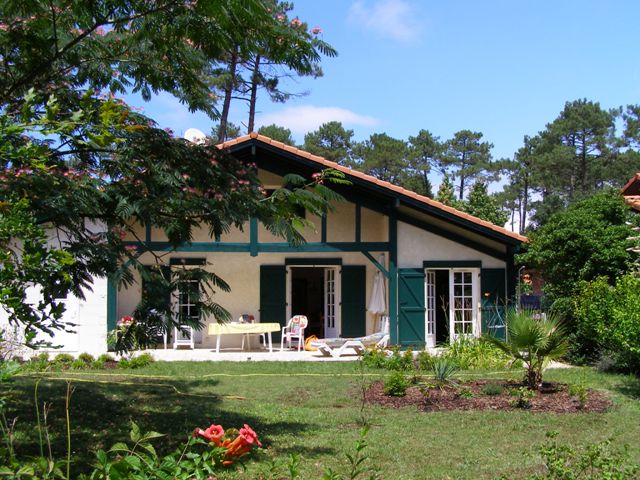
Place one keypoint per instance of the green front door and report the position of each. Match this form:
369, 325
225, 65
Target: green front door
353, 292
411, 305
273, 291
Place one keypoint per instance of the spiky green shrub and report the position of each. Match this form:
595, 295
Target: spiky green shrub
534, 341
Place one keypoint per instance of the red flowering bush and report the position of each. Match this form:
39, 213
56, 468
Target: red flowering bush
126, 320
231, 444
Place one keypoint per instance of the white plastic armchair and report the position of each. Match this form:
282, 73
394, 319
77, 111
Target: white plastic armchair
294, 331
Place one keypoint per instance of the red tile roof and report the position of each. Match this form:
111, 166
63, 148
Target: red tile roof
322, 162
632, 187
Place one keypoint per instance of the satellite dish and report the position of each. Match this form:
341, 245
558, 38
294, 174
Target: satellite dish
195, 136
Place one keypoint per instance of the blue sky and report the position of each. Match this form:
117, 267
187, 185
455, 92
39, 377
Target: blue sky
501, 67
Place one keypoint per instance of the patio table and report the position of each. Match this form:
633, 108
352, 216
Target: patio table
243, 329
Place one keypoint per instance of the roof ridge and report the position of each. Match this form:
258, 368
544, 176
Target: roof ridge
383, 183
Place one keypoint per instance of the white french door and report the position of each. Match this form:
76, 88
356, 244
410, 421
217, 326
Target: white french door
463, 311
330, 303
430, 296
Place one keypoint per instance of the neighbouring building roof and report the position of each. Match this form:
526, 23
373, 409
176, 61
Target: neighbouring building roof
354, 174
631, 192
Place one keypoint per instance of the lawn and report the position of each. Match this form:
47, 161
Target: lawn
312, 409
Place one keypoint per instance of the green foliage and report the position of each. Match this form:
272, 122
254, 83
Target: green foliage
493, 389
400, 361
375, 358
105, 357
141, 360
466, 157
533, 341
331, 141
382, 156
598, 461
584, 242
446, 193
78, 364
471, 353
7, 370
523, 396
124, 363
396, 384
86, 358
484, 206
62, 360
424, 360
579, 391
275, 132
97, 365
444, 371
464, 392
608, 320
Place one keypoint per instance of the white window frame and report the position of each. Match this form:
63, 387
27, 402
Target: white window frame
475, 304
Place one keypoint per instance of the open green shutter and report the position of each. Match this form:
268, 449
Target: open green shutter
493, 285
273, 295
411, 307
354, 314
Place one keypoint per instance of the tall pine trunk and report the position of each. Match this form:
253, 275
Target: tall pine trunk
228, 93
255, 80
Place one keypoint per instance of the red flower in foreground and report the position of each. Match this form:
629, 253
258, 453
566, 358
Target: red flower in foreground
249, 435
212, 434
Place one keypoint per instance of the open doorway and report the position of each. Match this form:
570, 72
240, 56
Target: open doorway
437, 303
307, 297
314, 293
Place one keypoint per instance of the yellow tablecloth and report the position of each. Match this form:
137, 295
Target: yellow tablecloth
241, 328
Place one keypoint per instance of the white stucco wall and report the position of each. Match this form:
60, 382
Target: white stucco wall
416, 245
86, 320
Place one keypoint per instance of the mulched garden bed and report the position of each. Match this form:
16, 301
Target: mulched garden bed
470, 395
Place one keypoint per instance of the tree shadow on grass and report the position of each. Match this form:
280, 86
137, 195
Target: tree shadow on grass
101, 414
629, 387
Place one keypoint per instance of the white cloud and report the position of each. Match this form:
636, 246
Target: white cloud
394, 19
307, 118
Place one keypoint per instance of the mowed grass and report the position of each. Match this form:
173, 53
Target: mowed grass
312, 409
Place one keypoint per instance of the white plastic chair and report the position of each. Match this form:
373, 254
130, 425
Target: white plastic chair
294, 330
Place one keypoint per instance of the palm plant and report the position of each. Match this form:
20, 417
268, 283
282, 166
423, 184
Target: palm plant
532, 340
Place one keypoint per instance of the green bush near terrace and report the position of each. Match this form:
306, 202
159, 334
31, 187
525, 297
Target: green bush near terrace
470, 353
313, 410
608, 320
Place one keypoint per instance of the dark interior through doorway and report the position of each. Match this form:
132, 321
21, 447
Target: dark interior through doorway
307, 297
442, 306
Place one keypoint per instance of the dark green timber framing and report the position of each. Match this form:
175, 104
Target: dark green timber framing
112, 303
274, 247
393, 279
358, 222
253, 237
323, 229
312, 261
377, 264
452, 264
511, 274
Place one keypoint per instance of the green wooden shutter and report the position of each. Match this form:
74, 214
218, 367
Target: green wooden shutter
411, 307
354, 314
493, 284
273, 295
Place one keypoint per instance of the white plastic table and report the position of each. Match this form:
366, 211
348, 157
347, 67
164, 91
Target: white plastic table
242, 329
